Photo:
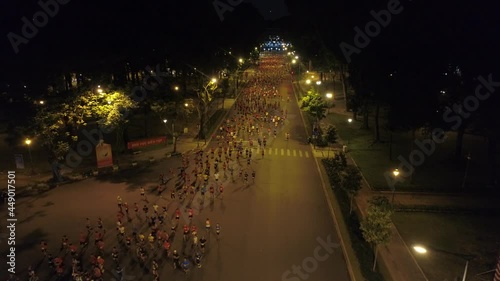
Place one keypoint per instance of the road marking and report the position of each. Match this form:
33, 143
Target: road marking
270, 151
300, 153
307, 154
294, 153
276, 151
288, 152
282, 152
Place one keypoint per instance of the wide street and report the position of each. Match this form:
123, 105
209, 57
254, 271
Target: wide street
269, 227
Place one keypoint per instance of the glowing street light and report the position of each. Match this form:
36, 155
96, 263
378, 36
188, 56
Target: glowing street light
176, 88
396, 174
213, 80
296, 57
330, 97
28, 143
99, 91
294, 61
422, 251
318, 83
186, 105
419, 249
308, 81
42, 102
240, 60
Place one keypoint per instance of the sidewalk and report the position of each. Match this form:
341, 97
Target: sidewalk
186, 143
395, 257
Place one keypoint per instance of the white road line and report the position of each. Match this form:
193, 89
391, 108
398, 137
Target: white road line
276, 151
288, 152
294, 153
307, 154
282, 152
300, 153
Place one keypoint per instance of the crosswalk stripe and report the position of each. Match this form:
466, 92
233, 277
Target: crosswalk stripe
307, 154
276, 151
282, 152
288, 152
294, 153
300, 153
270, 151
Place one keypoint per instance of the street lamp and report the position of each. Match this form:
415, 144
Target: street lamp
318, 82
329, 96
294, 61
28, 143
396, 174
240, 60
422, 250
176, 88
466, 171
296, 57
349, 121
308, 81
213, 80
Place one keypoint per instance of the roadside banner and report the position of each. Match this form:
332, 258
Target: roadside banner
104, 155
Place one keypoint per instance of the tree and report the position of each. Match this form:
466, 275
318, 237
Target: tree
170, 110
57, 124
351, 183
112, 110
314, 104
330, 136
48, 125
205, 95
376, 226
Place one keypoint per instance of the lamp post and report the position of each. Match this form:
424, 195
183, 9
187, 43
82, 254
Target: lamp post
464, 181
28, 143
329, 96
349, 121
396, 174
421, 250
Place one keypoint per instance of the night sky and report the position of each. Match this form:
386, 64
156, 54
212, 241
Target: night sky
86, 33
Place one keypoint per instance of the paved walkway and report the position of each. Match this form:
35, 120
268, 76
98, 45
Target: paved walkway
396, 255
185, 143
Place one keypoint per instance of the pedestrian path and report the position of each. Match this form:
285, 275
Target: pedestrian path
274, 151
286, 152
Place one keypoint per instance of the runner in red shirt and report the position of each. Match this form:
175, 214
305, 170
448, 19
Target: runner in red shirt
177, 214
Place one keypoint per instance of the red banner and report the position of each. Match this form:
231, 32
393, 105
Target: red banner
146, 142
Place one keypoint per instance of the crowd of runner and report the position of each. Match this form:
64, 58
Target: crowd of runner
147, 229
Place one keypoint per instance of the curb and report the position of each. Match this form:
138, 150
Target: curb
330, 204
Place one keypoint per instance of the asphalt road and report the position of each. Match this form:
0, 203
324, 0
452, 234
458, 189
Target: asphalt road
270, 228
